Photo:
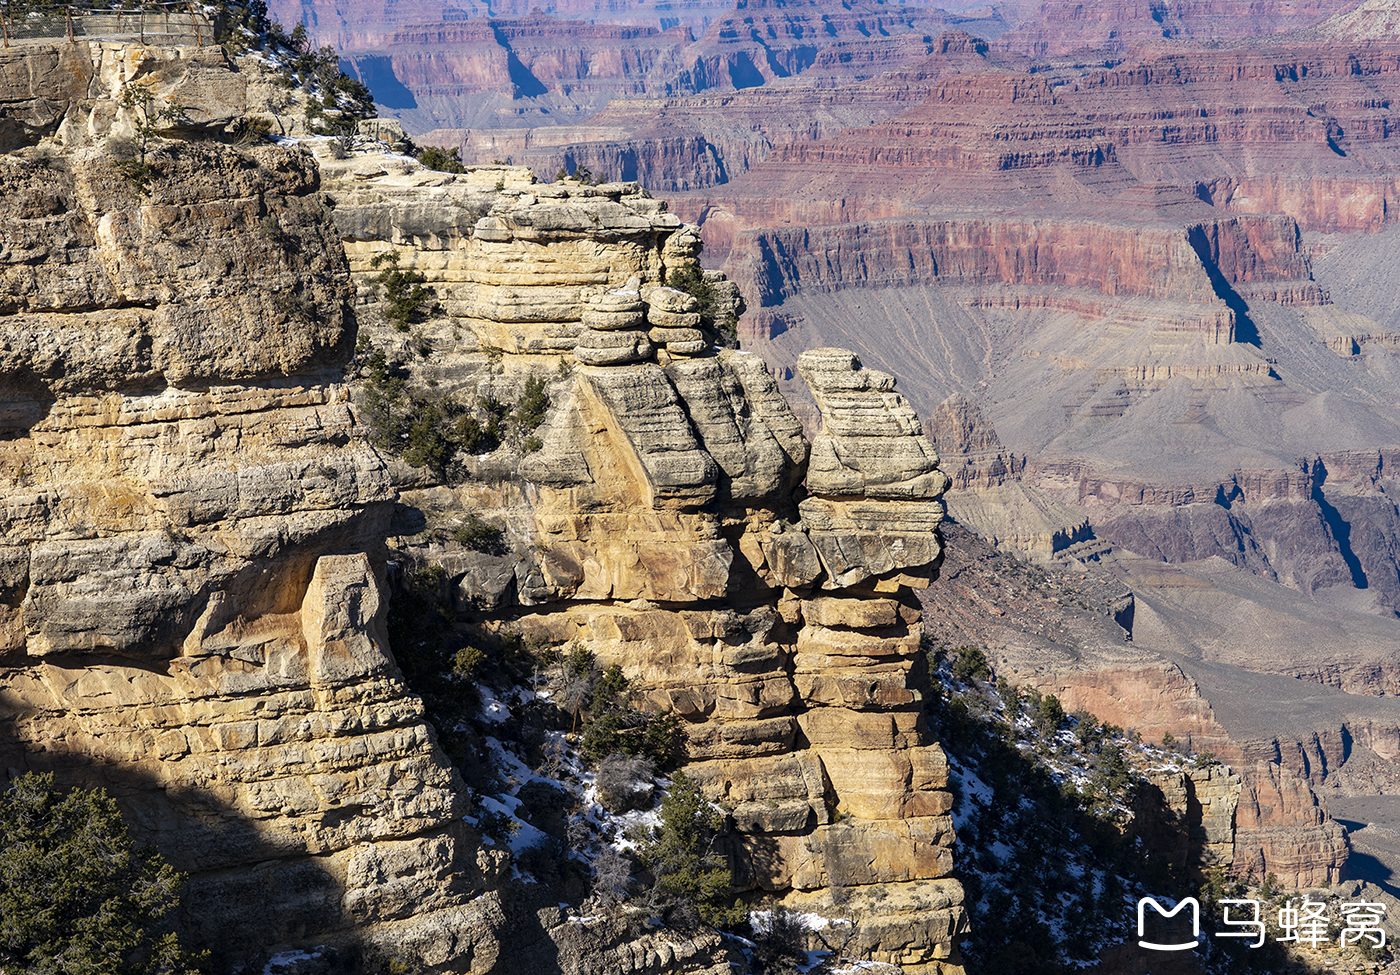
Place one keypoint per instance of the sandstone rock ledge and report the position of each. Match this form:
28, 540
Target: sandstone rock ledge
192, 548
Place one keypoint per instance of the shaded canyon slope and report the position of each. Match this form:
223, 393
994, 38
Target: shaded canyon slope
1152, 310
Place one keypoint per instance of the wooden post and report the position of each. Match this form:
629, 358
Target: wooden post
194, 19
68, 21
4, 26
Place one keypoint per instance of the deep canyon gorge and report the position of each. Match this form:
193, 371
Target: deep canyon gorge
1066, 332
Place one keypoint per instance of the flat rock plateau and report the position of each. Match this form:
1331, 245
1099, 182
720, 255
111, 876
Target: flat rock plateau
1133, 265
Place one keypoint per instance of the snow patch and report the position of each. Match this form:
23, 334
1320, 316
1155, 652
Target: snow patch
493, 709
285, 962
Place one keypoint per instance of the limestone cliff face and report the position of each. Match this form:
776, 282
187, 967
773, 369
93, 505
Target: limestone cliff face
192, 526
72, 90
658, 522
193, 590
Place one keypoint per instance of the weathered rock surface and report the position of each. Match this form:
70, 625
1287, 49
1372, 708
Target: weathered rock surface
657, 524
193, 543
1112, 644
194, 571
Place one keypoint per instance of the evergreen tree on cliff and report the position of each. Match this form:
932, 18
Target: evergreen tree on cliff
77, 897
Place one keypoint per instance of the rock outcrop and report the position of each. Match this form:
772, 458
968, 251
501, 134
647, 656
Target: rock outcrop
1187, 818
196, 576
194, 593
656, 523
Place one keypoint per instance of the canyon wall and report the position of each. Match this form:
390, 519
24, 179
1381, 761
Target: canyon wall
200, 538
193, 541
655, 523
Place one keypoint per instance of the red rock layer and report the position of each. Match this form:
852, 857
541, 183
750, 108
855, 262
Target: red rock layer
531, 55
1108, 259
1063, 26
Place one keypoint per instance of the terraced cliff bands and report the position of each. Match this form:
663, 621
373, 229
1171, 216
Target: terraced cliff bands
202, 520
654, 521
194, 593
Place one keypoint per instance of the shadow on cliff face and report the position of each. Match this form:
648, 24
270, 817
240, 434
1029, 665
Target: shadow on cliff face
1365, 866
376, 71
24, 402
249, 892
1245, 329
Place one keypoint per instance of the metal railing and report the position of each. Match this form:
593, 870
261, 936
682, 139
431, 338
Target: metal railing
175, 23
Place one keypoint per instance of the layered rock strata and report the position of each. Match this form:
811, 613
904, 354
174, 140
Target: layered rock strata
1099, 645
192, 546
195, 571
658, 524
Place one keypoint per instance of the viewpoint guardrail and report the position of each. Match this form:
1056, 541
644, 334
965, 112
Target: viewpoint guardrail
175, 24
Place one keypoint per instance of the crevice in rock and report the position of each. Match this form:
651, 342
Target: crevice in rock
1339, 527
1246, 331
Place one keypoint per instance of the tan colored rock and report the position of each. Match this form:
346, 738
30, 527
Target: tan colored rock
670, 322
671, 301
784, 794
855, 612
871, 441
738, 433
647, 411
612, 348
611, 320
740, 739
901, 784
688, 348
841, 728
849, 854
791, 558
668, 336
860, 539
876, 688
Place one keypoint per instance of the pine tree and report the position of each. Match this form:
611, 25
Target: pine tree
681, 856
76, 894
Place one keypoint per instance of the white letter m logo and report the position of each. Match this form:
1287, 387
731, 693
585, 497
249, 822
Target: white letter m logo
1195, 923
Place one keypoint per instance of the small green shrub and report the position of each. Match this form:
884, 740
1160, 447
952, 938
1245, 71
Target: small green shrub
614, 726
534, 403
472, 436
442, 159
384, 402
580, 660
970, 663
681, 856
76, 894
405, 299
476, 534
1046, 712
468, 661
428, 444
